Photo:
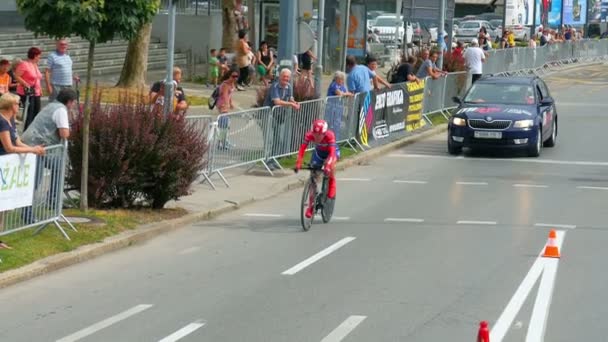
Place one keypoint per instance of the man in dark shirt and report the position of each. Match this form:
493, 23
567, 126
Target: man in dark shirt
405, 72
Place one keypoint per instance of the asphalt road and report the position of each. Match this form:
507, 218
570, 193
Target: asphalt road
423, 246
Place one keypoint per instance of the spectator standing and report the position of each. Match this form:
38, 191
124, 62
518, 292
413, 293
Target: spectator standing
5, 78
265, 63
372, 64
9, 140
252, 63
306, 60
58, 73
280, 93
334, 110
157, 93
242, 50
458, 51
360, 77
224, 105
474, 57
544, 39
532, 43
214, 67
52, 123
28, 76
14, 64
428, 67
223, 59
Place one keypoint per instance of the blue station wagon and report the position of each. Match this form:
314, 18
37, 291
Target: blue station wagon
504, 112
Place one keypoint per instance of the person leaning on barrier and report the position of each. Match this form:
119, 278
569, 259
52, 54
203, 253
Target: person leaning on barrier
52, 124
280, 92
428, 67
338, 86
372, 64
405, 71
9, 139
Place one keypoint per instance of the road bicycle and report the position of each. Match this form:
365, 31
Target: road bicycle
315, 193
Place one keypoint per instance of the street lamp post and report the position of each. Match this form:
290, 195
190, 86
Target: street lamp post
169, 90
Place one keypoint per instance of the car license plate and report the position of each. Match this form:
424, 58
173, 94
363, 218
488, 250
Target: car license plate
488, 135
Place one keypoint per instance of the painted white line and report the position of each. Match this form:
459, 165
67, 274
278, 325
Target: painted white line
499, 330
105, 323
340, 218
540, 313
471, 183
189, 250
477, 222
413, 220
344, 329
530, 186
297, 268
534, 161
592, 187
262, 215
551, 225
354, 179
409, 181
183, 332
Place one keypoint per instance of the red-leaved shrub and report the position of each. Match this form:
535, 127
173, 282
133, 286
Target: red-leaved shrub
136, 156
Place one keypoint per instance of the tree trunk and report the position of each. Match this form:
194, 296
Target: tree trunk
229, 25
84, 193
136, 63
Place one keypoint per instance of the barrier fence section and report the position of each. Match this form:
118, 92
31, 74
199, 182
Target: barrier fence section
340, 114
47, 192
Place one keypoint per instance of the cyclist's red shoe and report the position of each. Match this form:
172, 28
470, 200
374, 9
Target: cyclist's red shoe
309, 212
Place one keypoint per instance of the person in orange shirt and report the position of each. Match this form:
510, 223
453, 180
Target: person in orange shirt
5, 78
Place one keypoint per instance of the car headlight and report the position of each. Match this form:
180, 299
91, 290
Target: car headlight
459, 121
523, 124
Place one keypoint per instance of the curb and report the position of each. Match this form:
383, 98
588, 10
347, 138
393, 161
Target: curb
149, 231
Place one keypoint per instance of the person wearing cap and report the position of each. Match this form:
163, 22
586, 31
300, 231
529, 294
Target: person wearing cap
474, 57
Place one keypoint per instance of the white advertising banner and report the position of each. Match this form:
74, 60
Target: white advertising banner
519, 12
17, 176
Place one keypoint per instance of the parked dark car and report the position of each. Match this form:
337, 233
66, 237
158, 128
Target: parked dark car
504, 112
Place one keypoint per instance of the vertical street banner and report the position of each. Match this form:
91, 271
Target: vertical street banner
595, 11
519, 12
575, 12
357, 31
604, 11
415, 95
17, 173
549, 13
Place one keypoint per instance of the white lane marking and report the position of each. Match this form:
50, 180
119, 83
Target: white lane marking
394, 219
297, 268
472, 183
105, 323
262, 215
344, 329
409, 181
354, 179
477, 222
592, 187
540, 313
535, 161
530, 186
499, 330
551, 225
183, 332
189, 250
341, 218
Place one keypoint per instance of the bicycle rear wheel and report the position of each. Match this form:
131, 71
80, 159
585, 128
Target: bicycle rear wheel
328, 204
308, 199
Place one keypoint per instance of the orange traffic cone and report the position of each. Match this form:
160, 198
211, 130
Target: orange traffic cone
551, 250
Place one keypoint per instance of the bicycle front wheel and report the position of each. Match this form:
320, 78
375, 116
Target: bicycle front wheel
308, 199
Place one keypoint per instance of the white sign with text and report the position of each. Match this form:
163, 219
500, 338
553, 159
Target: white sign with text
17, 176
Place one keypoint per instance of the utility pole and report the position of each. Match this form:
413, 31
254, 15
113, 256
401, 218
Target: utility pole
169, 90
287, 35
343, 39
320, 36
440, 28
397, 22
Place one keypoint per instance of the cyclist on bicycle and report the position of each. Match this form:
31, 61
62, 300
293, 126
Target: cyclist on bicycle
324, 156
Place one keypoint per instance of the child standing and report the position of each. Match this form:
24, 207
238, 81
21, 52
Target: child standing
214, 67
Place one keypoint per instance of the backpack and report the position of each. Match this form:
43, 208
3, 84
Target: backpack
214, 97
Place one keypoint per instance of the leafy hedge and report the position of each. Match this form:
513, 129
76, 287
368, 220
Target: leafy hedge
137, 157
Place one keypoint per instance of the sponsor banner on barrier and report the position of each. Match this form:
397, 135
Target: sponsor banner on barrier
17, 173
415, 94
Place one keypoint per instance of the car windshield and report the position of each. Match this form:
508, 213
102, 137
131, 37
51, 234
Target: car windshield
496, 22
384, 21
517, 94
469, 25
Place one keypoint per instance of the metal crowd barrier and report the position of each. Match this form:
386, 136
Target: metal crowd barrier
47, 205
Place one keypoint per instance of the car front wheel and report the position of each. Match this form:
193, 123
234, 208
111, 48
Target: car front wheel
536, 146
452, 148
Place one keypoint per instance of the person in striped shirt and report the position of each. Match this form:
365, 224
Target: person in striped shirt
58, 74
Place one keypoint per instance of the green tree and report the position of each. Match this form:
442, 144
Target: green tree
97, 21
